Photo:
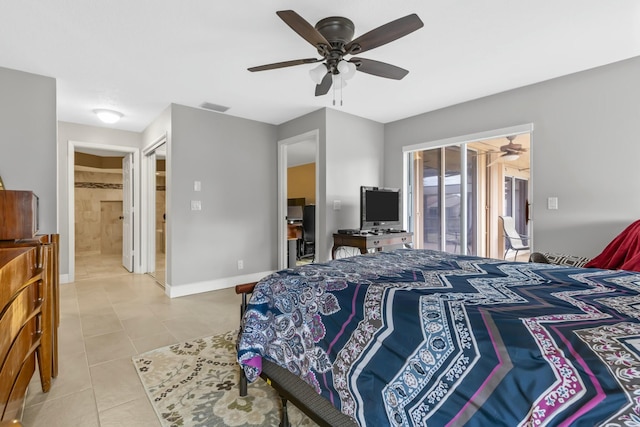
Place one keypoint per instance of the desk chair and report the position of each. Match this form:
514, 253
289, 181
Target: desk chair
309, 232
514, 240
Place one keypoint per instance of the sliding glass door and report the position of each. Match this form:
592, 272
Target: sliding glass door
456, 193
445, 202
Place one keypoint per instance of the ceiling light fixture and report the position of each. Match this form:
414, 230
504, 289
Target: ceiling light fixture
339, 70
346, 69
108, 116
318, 73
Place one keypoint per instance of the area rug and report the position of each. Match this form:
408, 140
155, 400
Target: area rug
196, 384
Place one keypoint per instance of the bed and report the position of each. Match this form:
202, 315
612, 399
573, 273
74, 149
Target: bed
417, 337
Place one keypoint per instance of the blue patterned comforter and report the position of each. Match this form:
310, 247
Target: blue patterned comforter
418, 337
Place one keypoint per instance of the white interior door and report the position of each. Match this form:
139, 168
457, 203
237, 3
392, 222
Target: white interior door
127, 212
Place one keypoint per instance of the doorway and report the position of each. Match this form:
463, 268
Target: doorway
459, 188
298, 218
96, 196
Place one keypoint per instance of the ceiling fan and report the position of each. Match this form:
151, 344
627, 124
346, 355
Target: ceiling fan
332, 38
509, 151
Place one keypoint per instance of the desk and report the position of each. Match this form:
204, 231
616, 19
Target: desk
364, 242
294, 236
294, 230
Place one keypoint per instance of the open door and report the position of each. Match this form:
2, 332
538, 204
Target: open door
127, 212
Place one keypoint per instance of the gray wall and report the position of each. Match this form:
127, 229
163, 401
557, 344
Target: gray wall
235, 160
355, 149
28, 139
350, 155
86, 134
585, 150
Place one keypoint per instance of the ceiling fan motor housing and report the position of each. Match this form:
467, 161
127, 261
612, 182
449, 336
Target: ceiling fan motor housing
337, 30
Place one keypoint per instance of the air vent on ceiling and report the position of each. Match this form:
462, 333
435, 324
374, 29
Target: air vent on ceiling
214, 107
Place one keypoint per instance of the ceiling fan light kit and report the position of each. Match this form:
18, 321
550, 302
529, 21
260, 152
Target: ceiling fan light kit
510, 157
317, 73
333, 39
346, 69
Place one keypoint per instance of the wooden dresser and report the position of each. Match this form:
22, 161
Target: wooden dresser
29, 315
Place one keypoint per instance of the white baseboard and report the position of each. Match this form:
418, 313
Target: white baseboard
212, 285
64, 278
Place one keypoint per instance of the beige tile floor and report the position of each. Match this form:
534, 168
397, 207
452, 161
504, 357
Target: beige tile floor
107, 316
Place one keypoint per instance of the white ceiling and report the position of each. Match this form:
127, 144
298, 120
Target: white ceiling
138, 56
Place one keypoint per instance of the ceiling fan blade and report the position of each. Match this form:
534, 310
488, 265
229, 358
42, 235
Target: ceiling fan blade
380, 69
511, 147
385, 34
324, 85
304, 29
285, 64
494, 161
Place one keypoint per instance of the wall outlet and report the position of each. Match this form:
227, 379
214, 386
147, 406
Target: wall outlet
552, 203
240, 264
196, 205
337, 204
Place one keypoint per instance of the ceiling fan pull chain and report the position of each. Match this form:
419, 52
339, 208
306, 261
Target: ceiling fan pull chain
334, 94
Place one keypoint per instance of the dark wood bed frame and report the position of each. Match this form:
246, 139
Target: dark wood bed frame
291, 388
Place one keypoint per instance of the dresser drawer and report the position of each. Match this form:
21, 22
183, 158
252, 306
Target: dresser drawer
17, 266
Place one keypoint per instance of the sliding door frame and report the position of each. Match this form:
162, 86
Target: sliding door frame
410, 182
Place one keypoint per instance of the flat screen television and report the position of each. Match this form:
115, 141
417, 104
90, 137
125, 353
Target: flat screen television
380, 208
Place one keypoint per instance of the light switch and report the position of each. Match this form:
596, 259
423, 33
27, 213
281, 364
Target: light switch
196, 186
552, 203
196, 205
337, 205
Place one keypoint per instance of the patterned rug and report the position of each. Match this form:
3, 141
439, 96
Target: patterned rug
196, 384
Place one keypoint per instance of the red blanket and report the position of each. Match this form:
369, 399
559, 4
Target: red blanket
623, 253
